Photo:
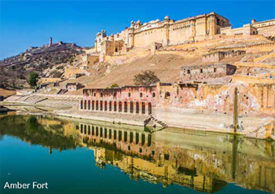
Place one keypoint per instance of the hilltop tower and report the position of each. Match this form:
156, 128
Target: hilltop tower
50, 41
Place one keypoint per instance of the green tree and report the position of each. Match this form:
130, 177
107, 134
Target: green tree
32, 79
146, 78
114, 86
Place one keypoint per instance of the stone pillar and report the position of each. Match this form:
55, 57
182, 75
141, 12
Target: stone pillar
193, 26
134, 108
166, 27
140, 108
265, 96
80, 104
146, 108
235, 110
122, 107
129, 107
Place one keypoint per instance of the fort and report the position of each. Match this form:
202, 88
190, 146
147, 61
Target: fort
158, 33
200, 61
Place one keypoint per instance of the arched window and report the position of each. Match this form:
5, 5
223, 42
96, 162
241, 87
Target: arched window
149, 108
167, 95
131, 107
89, 104
115, 106
137, 107
119, 107
85, 104
143, 108
110, 106
81, 104
125, 107
96, 105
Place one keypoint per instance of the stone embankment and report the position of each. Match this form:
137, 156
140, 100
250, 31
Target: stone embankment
67, 105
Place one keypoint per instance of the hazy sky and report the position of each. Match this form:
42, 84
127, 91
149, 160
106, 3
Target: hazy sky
31, 23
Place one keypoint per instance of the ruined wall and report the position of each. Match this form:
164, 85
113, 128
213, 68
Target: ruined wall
92, 59
201, 72
48, 80
257, 98
72, 71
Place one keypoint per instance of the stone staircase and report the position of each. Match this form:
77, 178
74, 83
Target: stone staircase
154, 122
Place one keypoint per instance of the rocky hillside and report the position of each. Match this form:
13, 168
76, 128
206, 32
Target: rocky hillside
50, 59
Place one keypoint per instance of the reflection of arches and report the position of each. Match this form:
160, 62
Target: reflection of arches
131, 137
125, 136
149, 139
93, 130
137, 138
101, 132
105, 133
119, 135
142, 139
167, 95
110, 133
114, 134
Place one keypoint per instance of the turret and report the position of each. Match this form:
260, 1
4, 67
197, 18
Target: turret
50, 42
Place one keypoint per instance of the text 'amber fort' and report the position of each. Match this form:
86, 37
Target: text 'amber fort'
212, 76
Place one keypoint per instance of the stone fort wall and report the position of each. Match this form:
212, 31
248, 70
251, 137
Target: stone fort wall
171, 32
166, 32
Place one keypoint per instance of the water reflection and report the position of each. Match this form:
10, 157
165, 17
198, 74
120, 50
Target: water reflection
202, 161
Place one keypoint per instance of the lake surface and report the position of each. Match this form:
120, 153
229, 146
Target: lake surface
77, 156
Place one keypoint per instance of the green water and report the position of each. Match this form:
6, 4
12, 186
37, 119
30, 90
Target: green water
87, 157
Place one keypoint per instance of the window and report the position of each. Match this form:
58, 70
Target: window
215, 69
129, 94
167, 95
201, 70
188, 71
140, 95
153, 95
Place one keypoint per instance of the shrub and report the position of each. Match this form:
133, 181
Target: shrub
114, 86
146, 78
32, 79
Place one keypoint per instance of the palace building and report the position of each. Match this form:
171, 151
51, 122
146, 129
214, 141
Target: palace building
170, 32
